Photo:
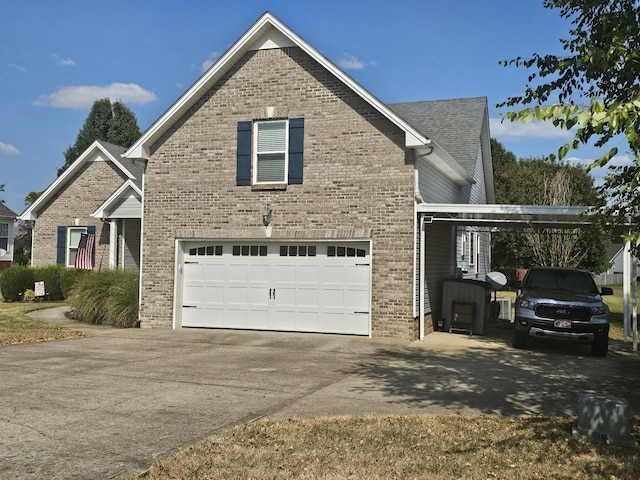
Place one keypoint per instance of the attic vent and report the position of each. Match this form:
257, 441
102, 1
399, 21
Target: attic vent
272, 39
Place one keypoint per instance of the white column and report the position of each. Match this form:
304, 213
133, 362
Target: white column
626, 287
113, 244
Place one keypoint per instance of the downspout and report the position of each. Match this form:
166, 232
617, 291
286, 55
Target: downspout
423, 246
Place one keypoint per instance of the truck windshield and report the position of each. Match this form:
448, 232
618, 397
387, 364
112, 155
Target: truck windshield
570, 280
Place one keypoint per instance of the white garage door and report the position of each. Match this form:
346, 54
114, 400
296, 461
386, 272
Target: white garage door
313, 287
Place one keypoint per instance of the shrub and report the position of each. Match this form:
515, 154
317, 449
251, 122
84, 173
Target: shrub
29, 296
14, 281
51, 275
108, 297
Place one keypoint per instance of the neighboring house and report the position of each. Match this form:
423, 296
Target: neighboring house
279, 194
99, 194
7, 219
614, 275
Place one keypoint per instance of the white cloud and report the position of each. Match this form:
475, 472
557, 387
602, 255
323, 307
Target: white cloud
211, 59
616, 161
17, 67
63, 62
513, 130
351, 62
82, 97
8, 148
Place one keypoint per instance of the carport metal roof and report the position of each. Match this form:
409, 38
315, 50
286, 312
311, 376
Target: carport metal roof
541, 216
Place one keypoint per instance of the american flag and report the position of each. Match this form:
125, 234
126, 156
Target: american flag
84, 254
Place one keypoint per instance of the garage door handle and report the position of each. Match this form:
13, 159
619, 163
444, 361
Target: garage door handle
189, 306
272, 291
361, 312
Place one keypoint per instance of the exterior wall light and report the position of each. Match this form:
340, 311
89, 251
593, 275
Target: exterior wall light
266, 211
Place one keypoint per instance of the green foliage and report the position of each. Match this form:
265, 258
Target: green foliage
29, 295
57, 279
14, 281
113, 123
597, 86
525, 182
108, 297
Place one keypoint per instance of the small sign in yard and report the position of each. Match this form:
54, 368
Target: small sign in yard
39, 290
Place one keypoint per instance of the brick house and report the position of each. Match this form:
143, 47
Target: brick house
279, 194
7, 219
100, 194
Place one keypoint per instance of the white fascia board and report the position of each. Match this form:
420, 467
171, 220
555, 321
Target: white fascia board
116, 196
444, 162
251, 40
499, 209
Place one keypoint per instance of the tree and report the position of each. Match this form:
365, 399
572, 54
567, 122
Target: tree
113, 123
31, 197
541, 182
597, 89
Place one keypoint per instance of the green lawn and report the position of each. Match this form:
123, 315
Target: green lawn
17, 327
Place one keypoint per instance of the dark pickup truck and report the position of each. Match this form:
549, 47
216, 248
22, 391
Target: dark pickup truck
562, 304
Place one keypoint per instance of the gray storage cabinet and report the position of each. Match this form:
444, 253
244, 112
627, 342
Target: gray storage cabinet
465, 305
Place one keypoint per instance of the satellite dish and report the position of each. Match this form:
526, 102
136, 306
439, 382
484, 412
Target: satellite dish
498, 280
3, 252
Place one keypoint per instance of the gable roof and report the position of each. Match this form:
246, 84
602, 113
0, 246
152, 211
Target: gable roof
267, 32
113, 152
126, 190
6, 212
455, 124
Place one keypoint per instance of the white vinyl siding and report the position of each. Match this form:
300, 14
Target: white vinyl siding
270, 161
435, 186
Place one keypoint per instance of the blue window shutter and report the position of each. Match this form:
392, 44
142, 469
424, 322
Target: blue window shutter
296, 147
243, 160
61, 245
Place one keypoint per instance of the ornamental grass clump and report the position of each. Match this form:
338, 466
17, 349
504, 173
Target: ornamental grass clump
106, 297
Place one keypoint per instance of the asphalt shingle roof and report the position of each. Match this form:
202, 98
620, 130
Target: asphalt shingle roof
6, 211
454, 124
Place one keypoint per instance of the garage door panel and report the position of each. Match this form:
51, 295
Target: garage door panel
286, 288
307, 297
285, 296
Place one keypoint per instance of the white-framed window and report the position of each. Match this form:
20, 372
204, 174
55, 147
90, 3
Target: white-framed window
473, 247
270, 158
4, 236
73, 239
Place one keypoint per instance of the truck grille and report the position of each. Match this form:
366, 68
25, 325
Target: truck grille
580, 314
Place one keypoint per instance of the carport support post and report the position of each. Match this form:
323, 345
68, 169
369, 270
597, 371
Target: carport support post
626, 287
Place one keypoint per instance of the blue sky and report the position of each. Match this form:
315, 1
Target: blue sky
57, 57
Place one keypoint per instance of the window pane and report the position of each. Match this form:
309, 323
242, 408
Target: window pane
361, 253
331, 251
74, 236
341, 251
254, 250
312, 251
218, 249
283, 250
245, 250
72, 257
193, 251
351, 252
302, 250
4, 243
272, 137
293, 251
271, 167
202, 250
4, 230
210, 250
263, 250
236, 250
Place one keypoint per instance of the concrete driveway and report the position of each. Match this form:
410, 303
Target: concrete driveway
108, 405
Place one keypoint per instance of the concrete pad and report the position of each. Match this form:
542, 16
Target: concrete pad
109, 404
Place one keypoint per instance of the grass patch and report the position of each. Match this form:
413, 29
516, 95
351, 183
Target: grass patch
400, 447
17, 327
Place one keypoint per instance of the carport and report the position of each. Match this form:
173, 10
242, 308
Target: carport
518, 216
